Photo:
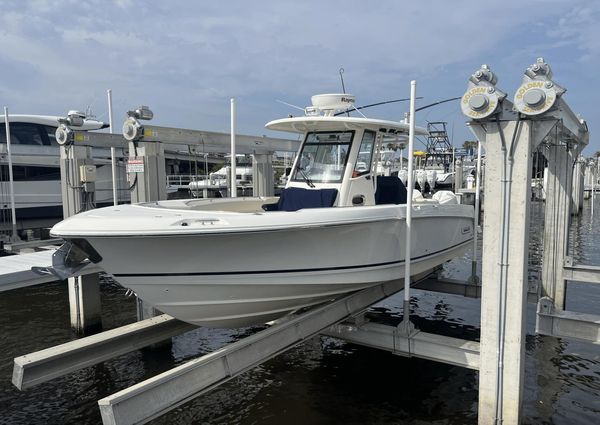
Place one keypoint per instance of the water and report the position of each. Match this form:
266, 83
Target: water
323, 381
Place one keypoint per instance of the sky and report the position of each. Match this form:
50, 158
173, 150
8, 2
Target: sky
186, 59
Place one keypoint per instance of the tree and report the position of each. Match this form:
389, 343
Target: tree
470, 146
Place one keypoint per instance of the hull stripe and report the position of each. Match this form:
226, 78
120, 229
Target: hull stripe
250, 272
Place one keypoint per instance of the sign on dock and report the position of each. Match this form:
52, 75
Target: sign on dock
135, 165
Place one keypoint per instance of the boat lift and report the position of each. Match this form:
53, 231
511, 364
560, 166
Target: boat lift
174, 387
155, 396
509, 132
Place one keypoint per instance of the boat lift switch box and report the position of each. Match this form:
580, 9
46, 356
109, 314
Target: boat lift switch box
87, 176
87, 173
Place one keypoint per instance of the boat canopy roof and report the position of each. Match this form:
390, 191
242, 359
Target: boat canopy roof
337, 123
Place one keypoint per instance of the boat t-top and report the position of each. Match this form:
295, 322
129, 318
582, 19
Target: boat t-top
337, 227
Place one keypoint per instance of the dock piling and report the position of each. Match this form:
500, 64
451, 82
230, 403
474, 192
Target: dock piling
510, 134
84, 291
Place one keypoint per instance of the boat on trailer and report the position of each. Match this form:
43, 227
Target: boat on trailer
337, 227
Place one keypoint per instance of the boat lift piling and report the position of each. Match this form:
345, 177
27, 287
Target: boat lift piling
145, 186
589, 176
263, 183
77, 188
594, 177
562, 149
578, 186
458, 176
146, 165
510, 133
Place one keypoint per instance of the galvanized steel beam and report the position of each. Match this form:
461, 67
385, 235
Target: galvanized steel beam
581, 272
449, 286
560, 158
566, 324
41, 366
208, 141
98, 140
212, 141
439, 348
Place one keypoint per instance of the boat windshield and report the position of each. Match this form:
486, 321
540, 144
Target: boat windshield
323, 157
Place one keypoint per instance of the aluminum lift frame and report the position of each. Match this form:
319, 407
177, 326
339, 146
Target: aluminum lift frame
510, 133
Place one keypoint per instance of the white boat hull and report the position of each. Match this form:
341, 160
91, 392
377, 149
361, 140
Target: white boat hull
234, 278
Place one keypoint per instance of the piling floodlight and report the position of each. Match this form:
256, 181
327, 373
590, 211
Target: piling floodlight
537, 93
141, 113
482, 98
64, 135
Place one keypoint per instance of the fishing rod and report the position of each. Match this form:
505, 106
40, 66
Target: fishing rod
374, 104
436, 103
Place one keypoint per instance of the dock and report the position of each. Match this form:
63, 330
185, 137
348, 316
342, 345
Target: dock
17, 269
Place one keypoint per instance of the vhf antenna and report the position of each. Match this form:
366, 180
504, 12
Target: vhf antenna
342, 79
341, 71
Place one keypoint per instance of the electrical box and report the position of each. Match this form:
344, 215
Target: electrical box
87, 173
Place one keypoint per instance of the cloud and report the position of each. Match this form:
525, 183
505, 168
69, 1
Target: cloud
579, 30
186, 59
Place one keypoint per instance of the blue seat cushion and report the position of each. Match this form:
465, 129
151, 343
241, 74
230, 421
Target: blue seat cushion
390, 190
296, 198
